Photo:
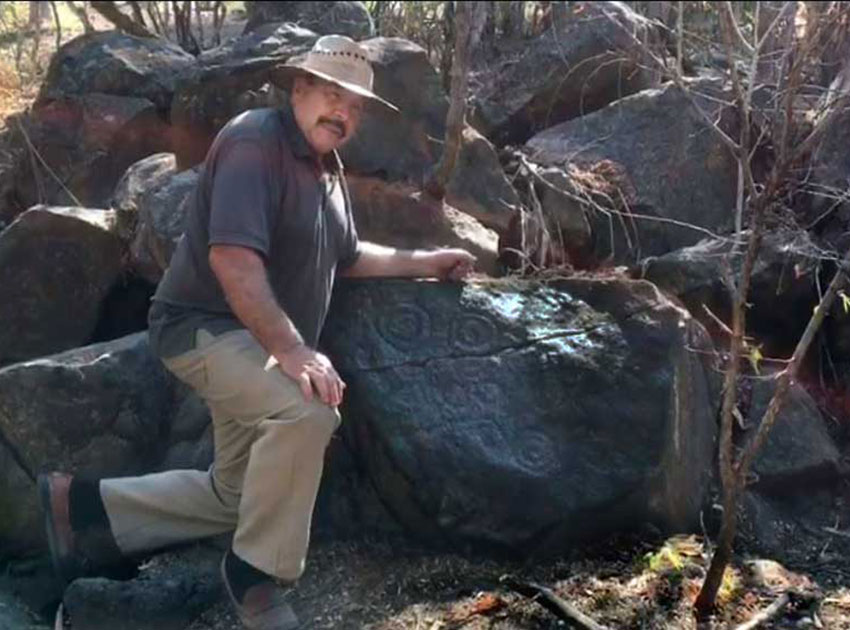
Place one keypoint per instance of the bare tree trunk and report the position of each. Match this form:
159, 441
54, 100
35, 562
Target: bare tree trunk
183, 26
513, 18
82, 16
776, 27
449, 28
56, 23
469, 19
199, 18
219, 15
137, 13
36, 13
123, 22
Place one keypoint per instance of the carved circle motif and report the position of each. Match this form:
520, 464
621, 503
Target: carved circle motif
405, 327
534, 452
473, 333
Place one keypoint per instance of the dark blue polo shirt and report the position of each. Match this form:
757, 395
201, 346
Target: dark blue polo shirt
261, 187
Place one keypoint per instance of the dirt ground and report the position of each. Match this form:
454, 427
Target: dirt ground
622, 584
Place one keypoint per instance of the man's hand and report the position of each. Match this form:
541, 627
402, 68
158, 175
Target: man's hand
450, 264
311, 369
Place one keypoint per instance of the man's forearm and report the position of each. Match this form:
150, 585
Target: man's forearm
243, 279
377, 260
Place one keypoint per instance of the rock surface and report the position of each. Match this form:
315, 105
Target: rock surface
783, 291
112, 62
675, 169
86, 143
799, 451
339, 18
150, 201
56, 265
525, 415
168, 594
575, 67
107, 413
396, 215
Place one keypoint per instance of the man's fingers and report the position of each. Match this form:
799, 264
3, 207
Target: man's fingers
323, 386
305, 385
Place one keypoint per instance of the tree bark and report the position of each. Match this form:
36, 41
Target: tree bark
468, 21
123, 22
81, 14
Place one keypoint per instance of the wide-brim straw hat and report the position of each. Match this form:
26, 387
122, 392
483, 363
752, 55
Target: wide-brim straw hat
337, 59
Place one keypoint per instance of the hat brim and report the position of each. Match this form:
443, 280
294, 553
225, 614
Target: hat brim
286, 72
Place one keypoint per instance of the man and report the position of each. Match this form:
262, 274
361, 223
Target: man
237, 316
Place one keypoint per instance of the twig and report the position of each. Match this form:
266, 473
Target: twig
767, 614
841, 533
554, 604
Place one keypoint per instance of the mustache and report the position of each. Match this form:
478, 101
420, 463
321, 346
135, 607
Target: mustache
334, 123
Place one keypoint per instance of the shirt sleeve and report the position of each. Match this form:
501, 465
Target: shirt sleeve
241, 202
350, 251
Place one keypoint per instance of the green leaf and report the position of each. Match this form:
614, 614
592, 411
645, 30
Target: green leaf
755, 358
845, 301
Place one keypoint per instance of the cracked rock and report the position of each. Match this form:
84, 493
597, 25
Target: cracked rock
517, 414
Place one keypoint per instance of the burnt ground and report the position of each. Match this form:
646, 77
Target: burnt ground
628, 583
622, 584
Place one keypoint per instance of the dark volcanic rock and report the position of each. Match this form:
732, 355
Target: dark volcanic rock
112, 62
829, 183
674, 167
108, 411
338, 18
102, 410
151, 203
168, 594
56, 265
232, 78
799, 450
394, 214
523, 415
783, 290
591, 59
87, 142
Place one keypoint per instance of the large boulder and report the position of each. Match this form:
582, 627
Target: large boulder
338, 18
783, 290
590, 57
84, 144
829, 183
150, 201
394, 214
112, 410
56, 265
523, 414
672, 168
798, 452
169, 593
112, 62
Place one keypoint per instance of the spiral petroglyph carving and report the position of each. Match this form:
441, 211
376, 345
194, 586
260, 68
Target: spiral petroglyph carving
472, 333
405, 327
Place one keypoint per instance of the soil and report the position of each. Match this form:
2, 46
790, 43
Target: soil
626, 583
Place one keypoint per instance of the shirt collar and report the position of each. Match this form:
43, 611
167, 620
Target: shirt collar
299, 145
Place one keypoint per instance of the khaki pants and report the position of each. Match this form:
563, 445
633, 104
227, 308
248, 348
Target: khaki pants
269, 452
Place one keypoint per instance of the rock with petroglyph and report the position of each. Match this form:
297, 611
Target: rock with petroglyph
520, 414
